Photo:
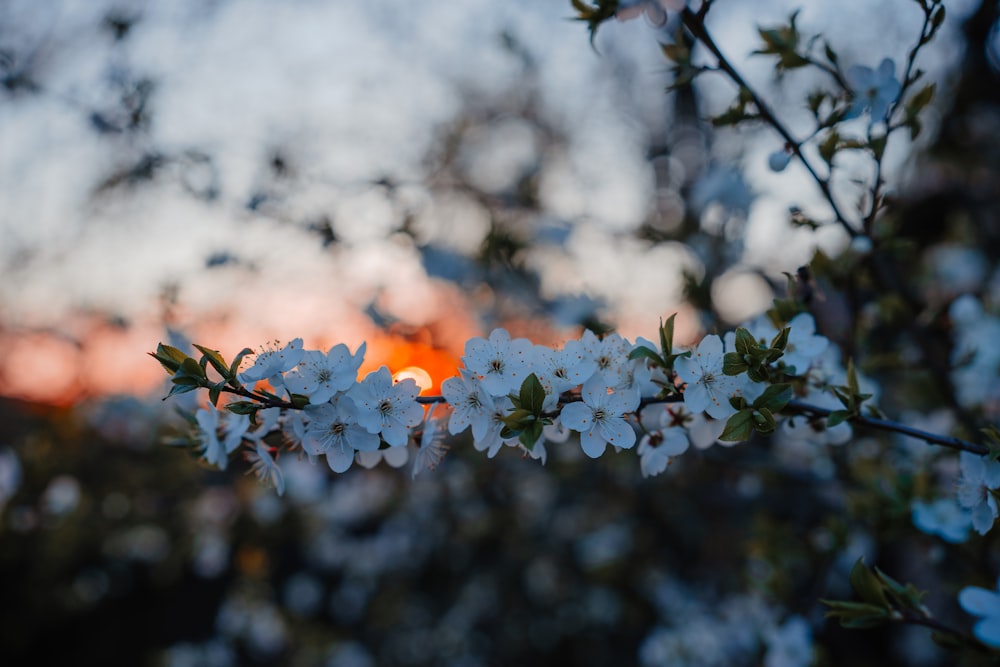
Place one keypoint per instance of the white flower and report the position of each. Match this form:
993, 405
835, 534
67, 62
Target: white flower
387, 408
265, 467
599, 418
471, 404
272, 362
872, 90
491, 441
432, 446
319, 376
708, 388
611, 356
233, 427
982, 602
658, 448
500, 363
334, 430
979, 477
562, 370
943, 517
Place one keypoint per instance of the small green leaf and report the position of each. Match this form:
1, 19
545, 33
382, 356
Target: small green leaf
733, 364
243, 407
828, 147
780, 341
532, 395
920, 99
169, 357
667, 335
643, 352
214, 358
877, 145
836, 417
739, 427
830, 54
191, 368
181, 389
867, 585
775, 397
763, 421
236, 364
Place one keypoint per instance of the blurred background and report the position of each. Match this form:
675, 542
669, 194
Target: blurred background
236, 172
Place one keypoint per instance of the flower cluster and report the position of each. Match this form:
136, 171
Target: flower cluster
511, 392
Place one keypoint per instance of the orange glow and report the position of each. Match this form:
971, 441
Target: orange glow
426, 364
418, 375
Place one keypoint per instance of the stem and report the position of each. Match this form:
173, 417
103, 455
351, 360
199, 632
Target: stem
801, 407
696, 26
794, 406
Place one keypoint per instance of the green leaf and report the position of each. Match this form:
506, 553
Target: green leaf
763, 421
828, 147
530, 435
739, 427
190, 367
877, 145
213, 394
169, 357
667, 335
236, 364
243, 407
733, 364
907, 596
867, 585
830, 54
920, 99
676, 52
643, 352
532, 395
780, 340
774, 397
181, 389
214, 358
836, 417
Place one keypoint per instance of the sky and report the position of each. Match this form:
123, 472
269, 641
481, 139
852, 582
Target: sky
350, 94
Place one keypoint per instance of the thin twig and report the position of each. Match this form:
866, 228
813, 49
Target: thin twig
697, 28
